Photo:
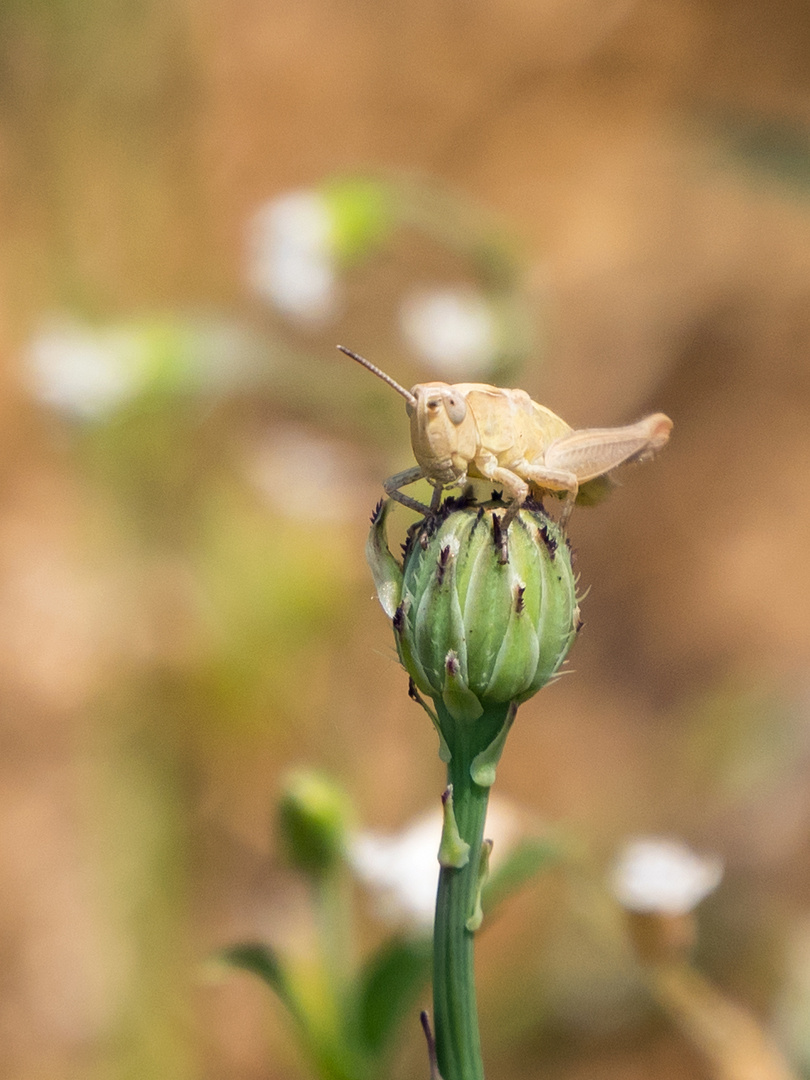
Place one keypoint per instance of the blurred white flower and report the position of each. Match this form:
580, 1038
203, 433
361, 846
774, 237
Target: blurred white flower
82, 371
317, 475
654, 875
402, 869
453, 330
290, 258
88, 372
216, 356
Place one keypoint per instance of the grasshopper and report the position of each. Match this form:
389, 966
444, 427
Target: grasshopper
482, 431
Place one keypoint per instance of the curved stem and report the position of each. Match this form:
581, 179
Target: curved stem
458, 1043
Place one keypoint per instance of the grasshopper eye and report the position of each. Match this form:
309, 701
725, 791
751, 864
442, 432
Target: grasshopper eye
456, 408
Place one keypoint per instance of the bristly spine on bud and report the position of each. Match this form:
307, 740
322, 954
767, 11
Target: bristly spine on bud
548, 539
444, 558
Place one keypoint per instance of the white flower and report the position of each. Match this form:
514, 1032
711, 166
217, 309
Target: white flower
402, 869
216, 356
324, 470
83, 371
452, 329
290, 259
88, 372
663, 876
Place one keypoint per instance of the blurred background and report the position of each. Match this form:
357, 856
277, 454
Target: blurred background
607, 204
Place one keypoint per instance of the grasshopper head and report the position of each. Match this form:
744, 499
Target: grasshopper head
443, 431
444, 435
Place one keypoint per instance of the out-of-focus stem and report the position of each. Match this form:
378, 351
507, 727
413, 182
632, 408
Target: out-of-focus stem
335, 930
731, 1038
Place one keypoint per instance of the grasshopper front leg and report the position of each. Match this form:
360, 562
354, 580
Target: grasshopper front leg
402, 479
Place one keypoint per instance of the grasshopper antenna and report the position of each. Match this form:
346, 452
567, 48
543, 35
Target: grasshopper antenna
381, 374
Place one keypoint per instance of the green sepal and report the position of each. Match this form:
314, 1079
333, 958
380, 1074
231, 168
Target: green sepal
517, 658
453, 851
559, 608
410, 661
477, 917
458, 699
385, 569
438, 626
487, 604
485, 764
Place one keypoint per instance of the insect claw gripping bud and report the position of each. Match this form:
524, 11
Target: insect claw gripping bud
471, 630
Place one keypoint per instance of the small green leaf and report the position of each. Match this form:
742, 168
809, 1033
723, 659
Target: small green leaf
484, 764
473, 924
525, 861
259, 959
454, 851
390, 986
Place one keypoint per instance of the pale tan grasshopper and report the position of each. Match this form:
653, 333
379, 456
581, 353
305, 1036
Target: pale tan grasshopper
481, 431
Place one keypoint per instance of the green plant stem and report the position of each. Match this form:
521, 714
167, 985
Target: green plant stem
455, 1014
333, 907
331, 1045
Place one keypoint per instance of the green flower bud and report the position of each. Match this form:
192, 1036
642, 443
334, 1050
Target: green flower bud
471, 630
313, 815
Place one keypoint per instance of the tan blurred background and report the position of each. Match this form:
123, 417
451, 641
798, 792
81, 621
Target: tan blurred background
186, 611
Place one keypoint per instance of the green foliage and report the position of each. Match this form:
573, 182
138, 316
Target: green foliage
348, 1014
389, 986
261, 960
525, 861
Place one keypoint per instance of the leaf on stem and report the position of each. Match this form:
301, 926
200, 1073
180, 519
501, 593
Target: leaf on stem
389, 986
259, 959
